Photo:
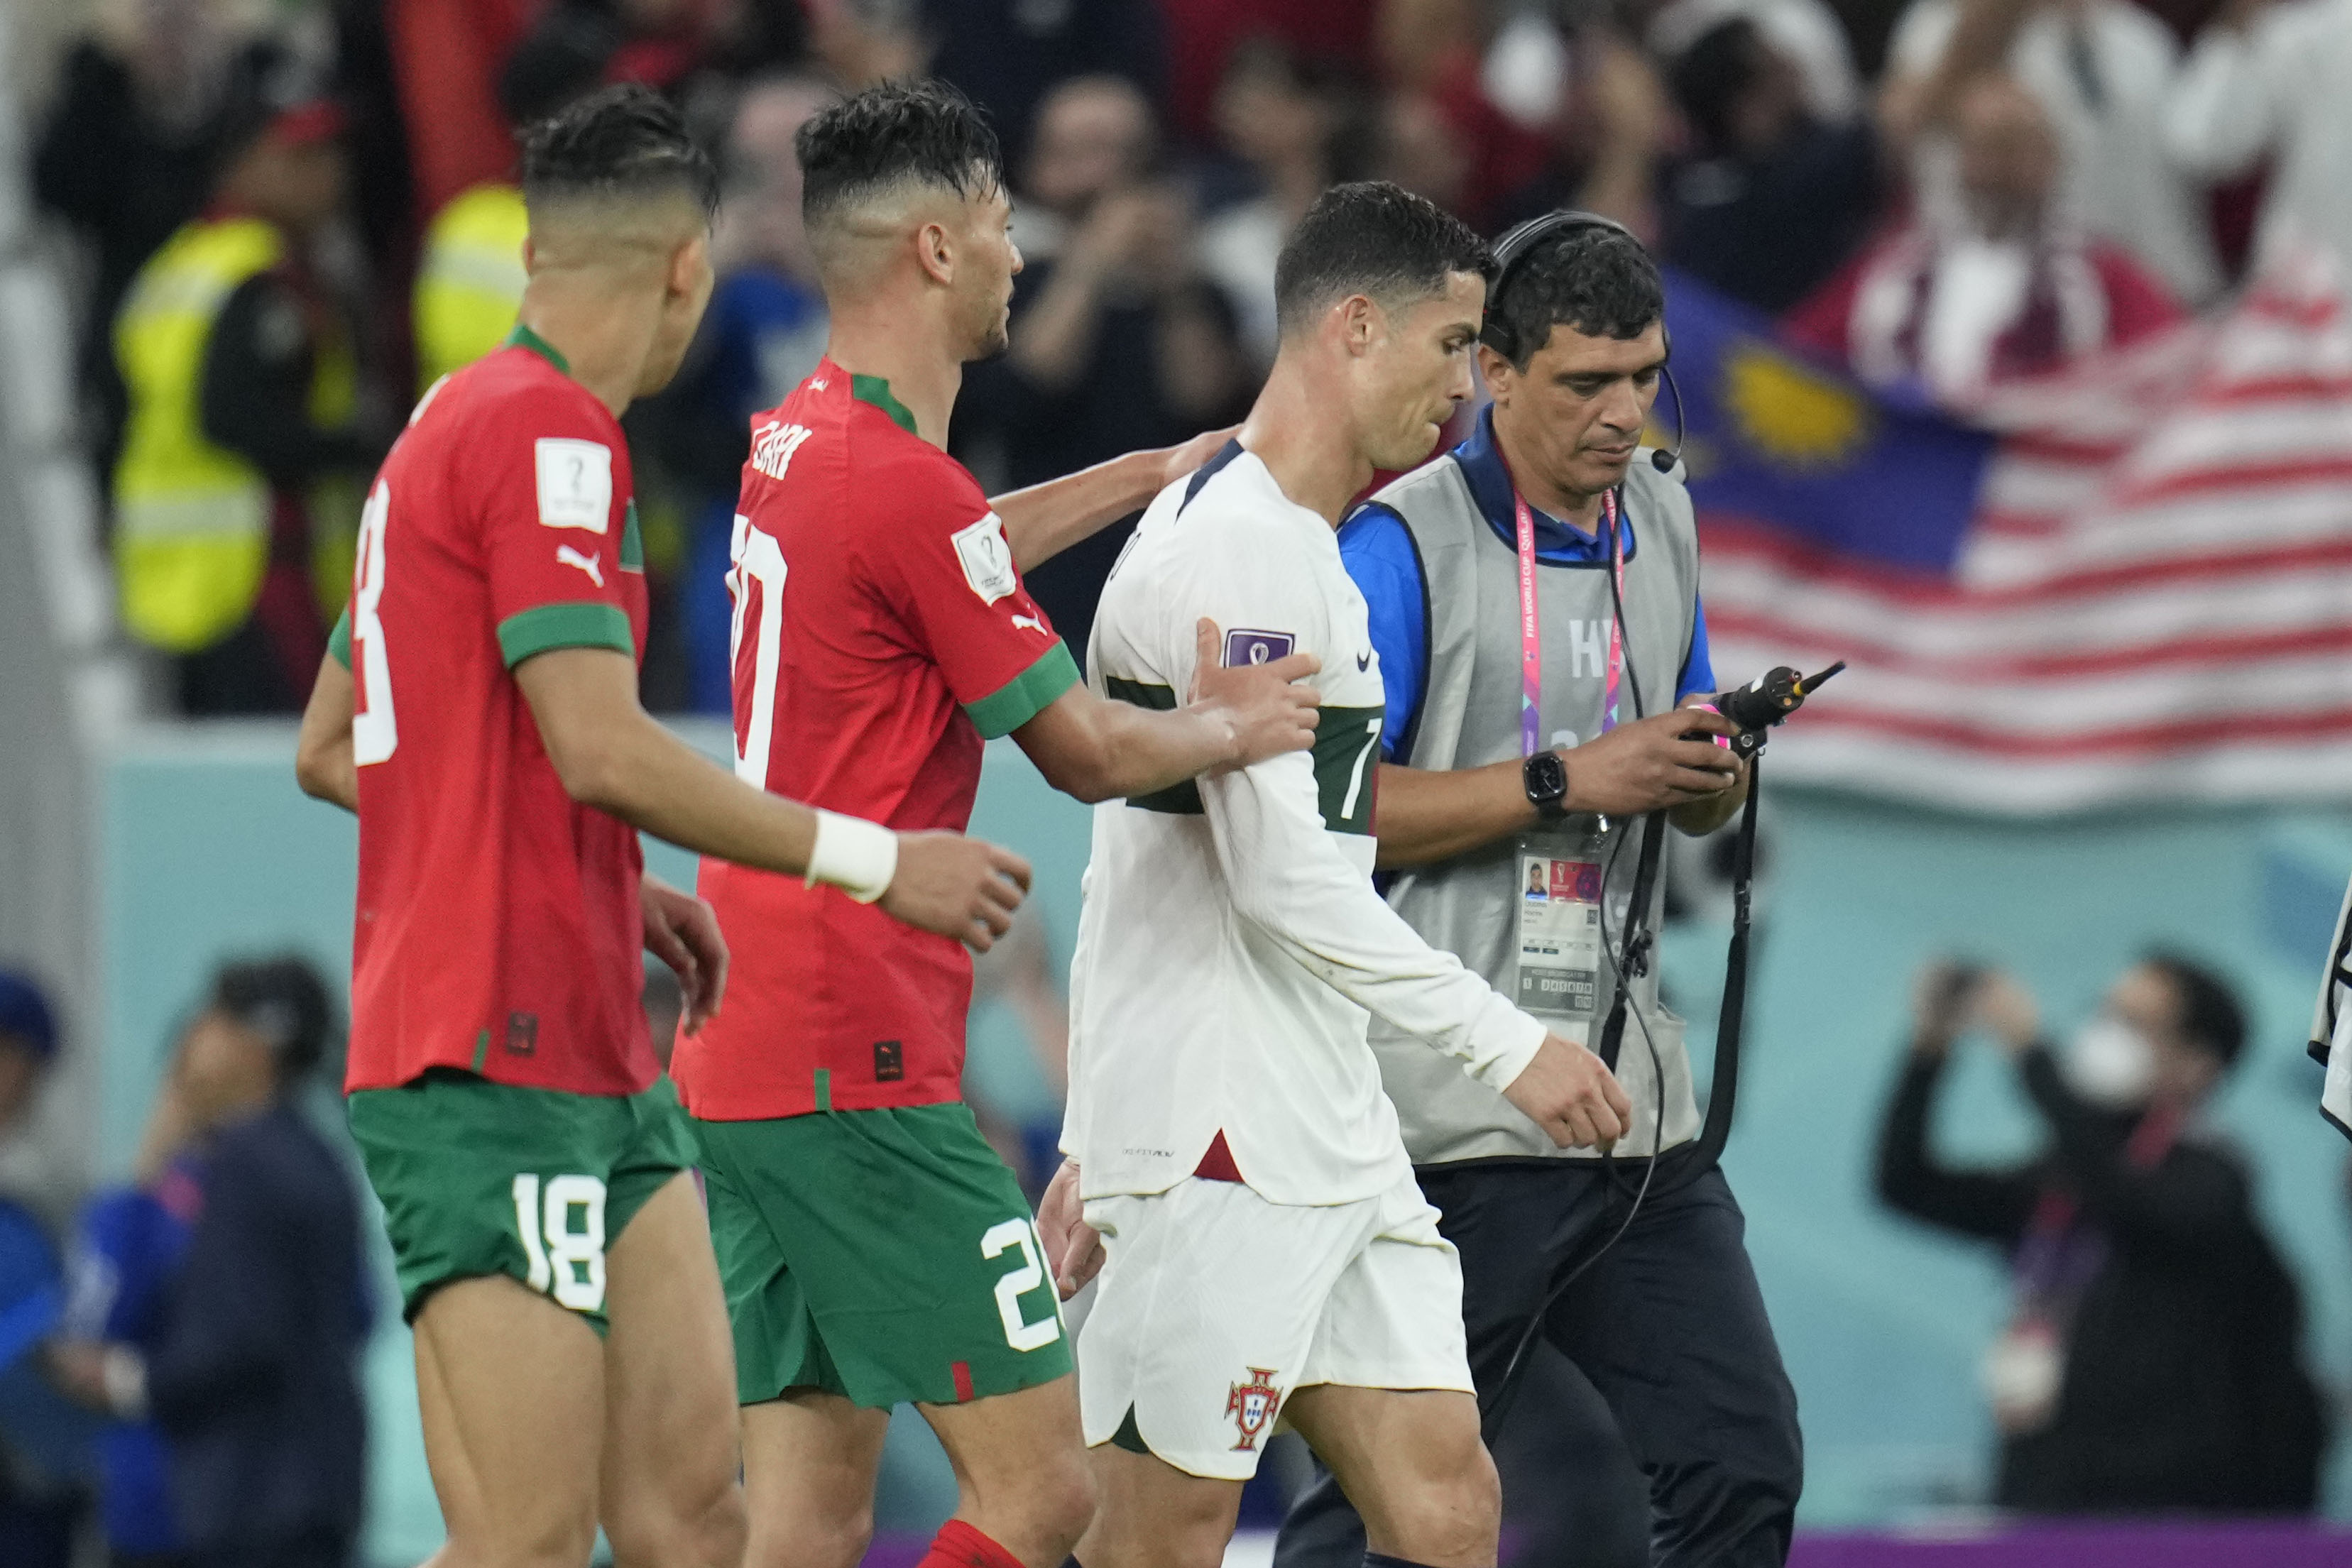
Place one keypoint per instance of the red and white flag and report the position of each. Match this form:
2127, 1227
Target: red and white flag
2152, 600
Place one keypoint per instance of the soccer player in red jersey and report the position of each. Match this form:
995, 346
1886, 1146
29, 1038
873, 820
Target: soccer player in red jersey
874, 1248
480, 715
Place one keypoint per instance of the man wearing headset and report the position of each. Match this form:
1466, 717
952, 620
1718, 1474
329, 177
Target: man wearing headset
1534, 600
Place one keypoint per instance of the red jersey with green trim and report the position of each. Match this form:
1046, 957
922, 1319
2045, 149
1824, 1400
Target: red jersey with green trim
499, 927
881, 633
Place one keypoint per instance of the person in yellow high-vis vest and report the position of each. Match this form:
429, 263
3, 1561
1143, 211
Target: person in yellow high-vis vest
243, 397
469, 279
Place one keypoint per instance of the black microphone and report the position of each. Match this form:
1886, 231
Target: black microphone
1763, 703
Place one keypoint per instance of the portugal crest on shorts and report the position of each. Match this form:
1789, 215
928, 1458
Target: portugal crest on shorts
1253, 1406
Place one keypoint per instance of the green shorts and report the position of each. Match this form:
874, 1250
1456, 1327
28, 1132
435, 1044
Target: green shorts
481, 1178
881, 1255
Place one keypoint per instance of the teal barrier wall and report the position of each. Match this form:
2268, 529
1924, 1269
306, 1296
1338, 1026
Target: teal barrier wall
208, 849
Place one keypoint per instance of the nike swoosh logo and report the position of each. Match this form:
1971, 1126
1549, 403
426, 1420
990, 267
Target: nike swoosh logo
566, 556
1363, 663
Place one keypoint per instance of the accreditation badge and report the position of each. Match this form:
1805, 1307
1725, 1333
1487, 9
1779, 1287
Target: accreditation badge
1560, 929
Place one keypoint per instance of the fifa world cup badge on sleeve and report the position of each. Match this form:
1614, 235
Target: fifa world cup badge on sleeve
1559, 901
1253, 1405
986, 558
1244, 646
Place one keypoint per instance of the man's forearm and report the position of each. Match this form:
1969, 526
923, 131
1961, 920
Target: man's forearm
1101, 749
1042, 521
653, 781
1426, 817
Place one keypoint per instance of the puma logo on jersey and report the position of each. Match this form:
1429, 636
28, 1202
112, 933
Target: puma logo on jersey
773, 444
1031, 622
566, 556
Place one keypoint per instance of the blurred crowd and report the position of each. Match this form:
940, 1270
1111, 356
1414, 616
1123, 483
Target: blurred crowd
179, 1372
292, 217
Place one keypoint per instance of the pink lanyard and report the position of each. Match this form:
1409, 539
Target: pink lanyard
1531, 635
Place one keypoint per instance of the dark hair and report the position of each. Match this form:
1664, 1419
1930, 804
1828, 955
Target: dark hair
625, 143
926, 131
1597, 280
283, 1000
1375, 238
2212, 1016
1708, 78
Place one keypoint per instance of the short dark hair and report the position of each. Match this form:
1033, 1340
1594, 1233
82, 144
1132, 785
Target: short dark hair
1595, 279
1374, 238
2212, 1018
282, 999
925, 132
626, 142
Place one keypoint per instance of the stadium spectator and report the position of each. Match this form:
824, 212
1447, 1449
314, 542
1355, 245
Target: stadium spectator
2154, 1361
1011, 55
40, 1436
244, 398
1289, 120
861, 42
1768, 200
1806, 33
1204, 34
657, 43
1436, 51
1997, 285
2103, 71
125, 1253
762, 334
2271, 79
1117, 344
143, 112
470, 272
446, 56
252, 1372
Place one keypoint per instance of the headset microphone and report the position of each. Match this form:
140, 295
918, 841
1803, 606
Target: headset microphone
1511, 253
1664, 458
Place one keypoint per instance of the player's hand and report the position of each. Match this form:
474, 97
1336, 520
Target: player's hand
1567, 1092
1647, 765
682, 932
1074, 1250
1183, 459
955, 887
1266, 707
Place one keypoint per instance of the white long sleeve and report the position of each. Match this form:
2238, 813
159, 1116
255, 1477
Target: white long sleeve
1233, 948
1288, 879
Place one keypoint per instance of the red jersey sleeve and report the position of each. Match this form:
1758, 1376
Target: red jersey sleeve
950, 575
558, 529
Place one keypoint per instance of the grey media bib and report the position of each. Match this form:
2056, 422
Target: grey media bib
1470, 717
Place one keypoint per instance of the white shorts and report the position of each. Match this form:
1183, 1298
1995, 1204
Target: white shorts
1214, 1304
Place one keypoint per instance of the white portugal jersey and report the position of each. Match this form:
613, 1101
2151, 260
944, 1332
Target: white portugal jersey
1231, 940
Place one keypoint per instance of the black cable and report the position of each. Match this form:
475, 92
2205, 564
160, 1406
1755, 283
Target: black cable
1498, 1407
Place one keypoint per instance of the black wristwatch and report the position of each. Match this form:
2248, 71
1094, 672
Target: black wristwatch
1546, 778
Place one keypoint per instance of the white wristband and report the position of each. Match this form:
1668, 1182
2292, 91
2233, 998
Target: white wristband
854, 855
